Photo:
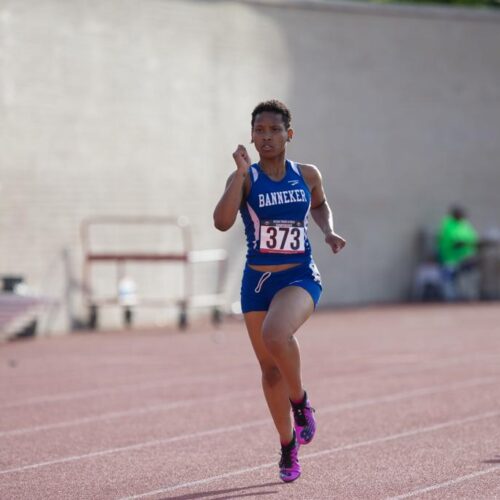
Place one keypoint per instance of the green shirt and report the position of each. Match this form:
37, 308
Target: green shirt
457, 240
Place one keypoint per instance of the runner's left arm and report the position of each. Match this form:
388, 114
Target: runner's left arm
320, 209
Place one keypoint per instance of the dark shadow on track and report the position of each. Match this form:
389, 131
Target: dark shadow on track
215, 494
495, 460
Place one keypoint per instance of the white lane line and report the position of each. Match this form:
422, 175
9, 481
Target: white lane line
237, 394
255, 423
424, 391
138, 446
370, 442
68, 396
127, 413
452, 482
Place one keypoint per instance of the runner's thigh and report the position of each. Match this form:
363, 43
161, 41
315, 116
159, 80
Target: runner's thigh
289, 309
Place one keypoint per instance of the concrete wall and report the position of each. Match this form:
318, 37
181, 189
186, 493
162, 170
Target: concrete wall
134, 107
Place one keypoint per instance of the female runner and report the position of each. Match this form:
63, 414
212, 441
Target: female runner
281, 284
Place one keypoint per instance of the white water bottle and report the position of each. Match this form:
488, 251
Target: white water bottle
127, 292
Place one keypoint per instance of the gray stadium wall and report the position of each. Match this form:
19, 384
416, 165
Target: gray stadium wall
134, 107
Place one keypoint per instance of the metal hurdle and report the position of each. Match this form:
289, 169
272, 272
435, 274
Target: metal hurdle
186, 257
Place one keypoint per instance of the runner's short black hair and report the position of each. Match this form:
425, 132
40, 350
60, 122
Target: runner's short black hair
273, 106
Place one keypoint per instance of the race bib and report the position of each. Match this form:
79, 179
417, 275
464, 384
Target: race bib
282, 236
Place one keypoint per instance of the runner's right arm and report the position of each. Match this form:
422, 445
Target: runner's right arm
226, 211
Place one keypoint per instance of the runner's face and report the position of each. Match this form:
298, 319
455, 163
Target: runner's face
269, 134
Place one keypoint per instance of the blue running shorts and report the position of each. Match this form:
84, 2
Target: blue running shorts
258, 288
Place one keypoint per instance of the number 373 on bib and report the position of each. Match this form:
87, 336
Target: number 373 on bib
281, 236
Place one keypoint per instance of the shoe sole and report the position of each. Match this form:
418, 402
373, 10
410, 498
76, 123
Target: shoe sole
288, 480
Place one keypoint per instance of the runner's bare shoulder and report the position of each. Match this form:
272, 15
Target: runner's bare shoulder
311, 174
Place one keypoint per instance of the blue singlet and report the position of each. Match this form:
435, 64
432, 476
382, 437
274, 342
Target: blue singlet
275, 215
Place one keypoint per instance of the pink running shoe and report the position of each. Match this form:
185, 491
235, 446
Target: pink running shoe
304, 422
289, 463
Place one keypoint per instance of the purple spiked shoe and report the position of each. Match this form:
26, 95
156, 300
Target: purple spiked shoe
289, 463
304, 422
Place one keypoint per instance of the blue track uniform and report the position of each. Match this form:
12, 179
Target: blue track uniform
275, 215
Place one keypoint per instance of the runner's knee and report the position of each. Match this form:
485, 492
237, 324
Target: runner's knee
271, 374
276, 337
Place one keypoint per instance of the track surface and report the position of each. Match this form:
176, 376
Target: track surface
407, 404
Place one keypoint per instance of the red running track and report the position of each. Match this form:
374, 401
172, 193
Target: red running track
407, 404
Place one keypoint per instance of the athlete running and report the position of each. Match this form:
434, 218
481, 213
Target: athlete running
281, 283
